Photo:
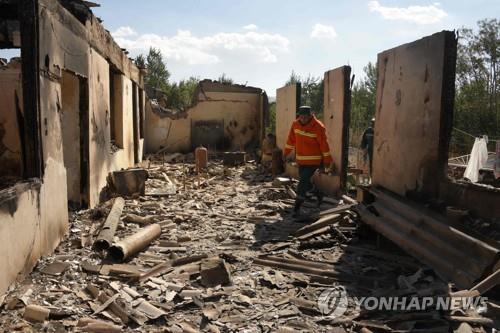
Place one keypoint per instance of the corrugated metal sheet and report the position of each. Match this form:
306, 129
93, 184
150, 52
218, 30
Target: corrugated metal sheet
453, 254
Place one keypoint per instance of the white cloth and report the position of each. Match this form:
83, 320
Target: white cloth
478, 158
497, 161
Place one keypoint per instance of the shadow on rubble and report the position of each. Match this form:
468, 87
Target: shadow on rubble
281, 227
349, 262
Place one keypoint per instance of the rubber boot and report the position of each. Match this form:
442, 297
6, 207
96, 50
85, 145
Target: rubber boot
296, 208
319, 196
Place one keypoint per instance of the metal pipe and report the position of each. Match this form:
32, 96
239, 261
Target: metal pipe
107, 233
134, 243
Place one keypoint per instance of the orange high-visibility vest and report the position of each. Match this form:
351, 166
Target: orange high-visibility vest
310, 143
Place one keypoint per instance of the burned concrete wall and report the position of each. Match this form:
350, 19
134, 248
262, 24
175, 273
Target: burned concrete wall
70, 118
66, 116
104, 155
336, 116
94, 104
414, 109
33, 214
223, 118
287, 103
10, 114
337, 104
479, 200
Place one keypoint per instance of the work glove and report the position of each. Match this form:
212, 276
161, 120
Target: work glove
288, 158
328, 169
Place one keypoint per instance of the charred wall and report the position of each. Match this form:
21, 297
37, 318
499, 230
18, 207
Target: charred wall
229, 117
65, 82
11, 122
336, 118
287, 104
413, 114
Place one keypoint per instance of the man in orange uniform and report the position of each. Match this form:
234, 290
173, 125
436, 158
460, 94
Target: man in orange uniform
308, 137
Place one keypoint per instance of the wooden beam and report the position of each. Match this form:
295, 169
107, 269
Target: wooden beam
28, 14
487, 284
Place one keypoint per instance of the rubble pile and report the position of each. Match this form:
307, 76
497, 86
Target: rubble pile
219, 252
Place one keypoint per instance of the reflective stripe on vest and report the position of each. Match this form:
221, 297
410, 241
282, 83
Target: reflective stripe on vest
310, 135
308, 158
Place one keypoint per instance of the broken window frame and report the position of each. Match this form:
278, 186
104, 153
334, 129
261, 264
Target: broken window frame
28, 15
115, 109
136, 121
142, 121
30, 135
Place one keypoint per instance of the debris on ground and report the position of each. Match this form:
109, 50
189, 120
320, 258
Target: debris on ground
219, 251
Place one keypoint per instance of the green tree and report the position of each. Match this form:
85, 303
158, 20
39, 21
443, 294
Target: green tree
224, 79
272, 118
180, 95
140, 61
158, 74
294, 79
363, 100
477, 90
312, 91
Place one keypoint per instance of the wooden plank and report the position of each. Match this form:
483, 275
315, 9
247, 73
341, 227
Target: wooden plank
322, 222
487, 284
31, 141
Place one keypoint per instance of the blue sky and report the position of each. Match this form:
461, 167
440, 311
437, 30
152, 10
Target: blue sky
260, 42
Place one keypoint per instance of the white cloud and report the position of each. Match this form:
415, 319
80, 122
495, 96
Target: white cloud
321, 31
252, 27
417, 14
124, 32
186, 48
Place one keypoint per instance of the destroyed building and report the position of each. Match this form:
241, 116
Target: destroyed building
217, 250
337, 105
71, 111
223, 117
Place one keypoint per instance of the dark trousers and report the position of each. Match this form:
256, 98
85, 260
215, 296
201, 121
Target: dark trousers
305, 184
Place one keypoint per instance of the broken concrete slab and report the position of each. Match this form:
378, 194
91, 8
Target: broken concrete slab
36, 313
234, 158
55, 268
128, 182
214, 272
